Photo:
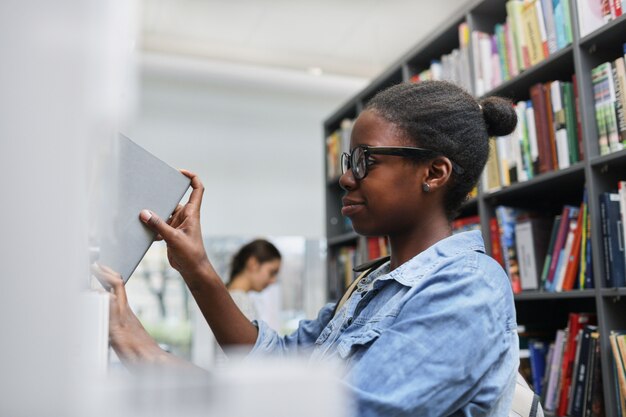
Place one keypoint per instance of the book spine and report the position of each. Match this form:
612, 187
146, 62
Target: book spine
542, 127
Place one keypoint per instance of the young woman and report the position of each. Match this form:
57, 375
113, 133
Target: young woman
253, 268
431, 332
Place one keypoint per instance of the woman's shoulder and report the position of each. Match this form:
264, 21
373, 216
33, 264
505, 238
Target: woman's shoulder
243, 300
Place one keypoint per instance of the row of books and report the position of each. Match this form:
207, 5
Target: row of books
349, 256
454, 67
548, 137
337, 143
342, 264
566, 371
609, 92
466, 224
593, 14
612, 216
617, 338
545, 253
533, 30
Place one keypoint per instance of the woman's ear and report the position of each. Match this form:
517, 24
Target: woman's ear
439, 173
252, 264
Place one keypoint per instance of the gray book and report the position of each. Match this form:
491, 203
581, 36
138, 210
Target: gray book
138, 180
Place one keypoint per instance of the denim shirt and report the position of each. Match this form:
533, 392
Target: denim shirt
434, 337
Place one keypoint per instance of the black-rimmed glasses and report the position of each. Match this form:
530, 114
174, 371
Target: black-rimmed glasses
357, 160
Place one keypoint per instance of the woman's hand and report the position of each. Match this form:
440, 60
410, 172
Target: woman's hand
130, 340
128, 337
182, 233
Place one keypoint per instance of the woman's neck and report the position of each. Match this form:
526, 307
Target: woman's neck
406, 246
240, 283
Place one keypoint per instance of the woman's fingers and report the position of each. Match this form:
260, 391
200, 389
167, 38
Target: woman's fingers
110, 280
154, 222
197, 191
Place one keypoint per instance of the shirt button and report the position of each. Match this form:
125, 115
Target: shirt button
349, 321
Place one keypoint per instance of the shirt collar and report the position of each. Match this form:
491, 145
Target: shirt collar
410, 272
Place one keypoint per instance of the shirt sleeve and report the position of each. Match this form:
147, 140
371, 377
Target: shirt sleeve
299, 342
452, 350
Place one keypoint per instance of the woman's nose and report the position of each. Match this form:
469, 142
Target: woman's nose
347, 180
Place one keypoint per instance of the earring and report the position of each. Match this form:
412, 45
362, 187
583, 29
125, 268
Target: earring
426, 187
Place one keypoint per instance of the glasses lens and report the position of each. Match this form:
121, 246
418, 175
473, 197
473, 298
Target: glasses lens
345, 162
359, 164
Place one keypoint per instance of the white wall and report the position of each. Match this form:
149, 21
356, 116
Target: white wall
254, 135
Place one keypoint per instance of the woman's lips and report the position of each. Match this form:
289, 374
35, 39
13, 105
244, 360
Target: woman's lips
351, 207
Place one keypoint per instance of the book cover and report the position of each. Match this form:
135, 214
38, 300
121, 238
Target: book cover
621, 191
531, 129
548, 258
594, 406
543, 30
542, 127
538, 350
566, 215
522, 128
559, 273
531, 240
581, 372
618, 365
507, 217
619, 81
579, 129
532, 32
575, 323
621, 345
559, 23
598, 97
142, 182
551, 124
567, 19
613, 241
555, 370
548, 14
573, 260
590, 16
494, 237
514, 9
567, 91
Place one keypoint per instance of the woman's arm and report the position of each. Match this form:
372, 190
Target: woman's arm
186, 253
129, 338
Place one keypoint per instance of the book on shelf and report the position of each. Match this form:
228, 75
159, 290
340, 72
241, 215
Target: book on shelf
611, 134
593, 404
581, 372
617, 339
377, 247
618, 71
531, 241
532, 31
454, 66
621, 191
555, 371
538, 350
576, 322
337, 143
556, 224
465, 224
569, 215
593, 14
507, 218
612, 240
546, 137
494, 238
572, 263
545, 134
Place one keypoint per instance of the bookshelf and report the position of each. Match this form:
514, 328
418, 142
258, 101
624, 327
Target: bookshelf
546, 192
